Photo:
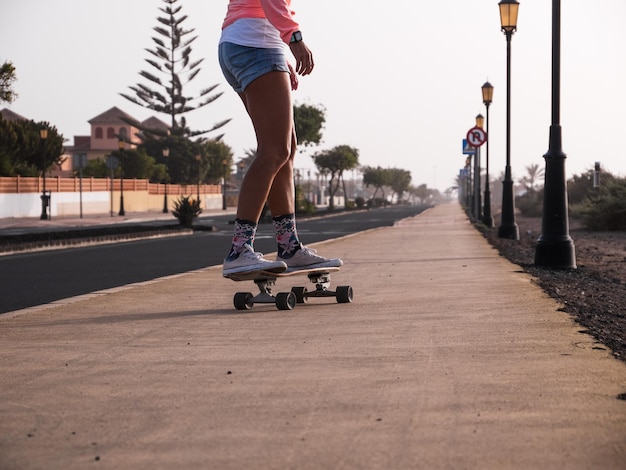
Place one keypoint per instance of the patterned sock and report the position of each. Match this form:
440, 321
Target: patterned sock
243, 234
286, 235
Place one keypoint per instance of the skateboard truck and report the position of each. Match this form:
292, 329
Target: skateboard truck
288, 300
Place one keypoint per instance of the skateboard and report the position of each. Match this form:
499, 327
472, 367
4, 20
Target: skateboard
266, 282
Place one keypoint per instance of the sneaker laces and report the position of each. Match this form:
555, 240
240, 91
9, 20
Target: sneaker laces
304, 251
311, 253
308, 250
248, 252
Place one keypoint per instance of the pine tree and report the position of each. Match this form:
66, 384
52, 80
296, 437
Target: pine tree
172, 70
7, 77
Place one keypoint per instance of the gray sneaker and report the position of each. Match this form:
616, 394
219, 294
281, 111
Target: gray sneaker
249, 261
306, 258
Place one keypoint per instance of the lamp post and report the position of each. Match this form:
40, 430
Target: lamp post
80, 159
480, 122
198, 159
224, 166
43, 135
166, 153
318, 191
487, 90
111, 164
241, 167
555, 247
466, 183
508, 228
121, 144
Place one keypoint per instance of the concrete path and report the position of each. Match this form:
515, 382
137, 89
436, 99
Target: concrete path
449, 358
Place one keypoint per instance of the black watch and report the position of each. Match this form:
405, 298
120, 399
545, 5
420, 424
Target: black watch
296, 37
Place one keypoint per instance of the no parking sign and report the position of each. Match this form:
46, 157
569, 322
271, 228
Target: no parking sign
476, 136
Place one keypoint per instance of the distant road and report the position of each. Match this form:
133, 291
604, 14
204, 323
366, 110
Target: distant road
37, 278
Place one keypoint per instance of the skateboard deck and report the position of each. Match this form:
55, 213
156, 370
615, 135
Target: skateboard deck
266, 281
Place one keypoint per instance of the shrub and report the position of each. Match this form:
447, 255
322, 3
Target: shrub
303, 205
530, 204
186, 209
606, 209
377, 202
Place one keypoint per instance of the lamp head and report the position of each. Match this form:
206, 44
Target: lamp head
480, 120
508, 15
487, 90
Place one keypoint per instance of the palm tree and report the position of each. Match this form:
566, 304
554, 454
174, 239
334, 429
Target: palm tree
534, 172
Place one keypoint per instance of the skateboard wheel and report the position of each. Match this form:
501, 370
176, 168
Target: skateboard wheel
243, 301
300, 293
285, 300
344, 294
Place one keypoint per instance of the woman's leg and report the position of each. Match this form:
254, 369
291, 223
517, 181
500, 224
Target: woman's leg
270, 176
282, 200
282, 195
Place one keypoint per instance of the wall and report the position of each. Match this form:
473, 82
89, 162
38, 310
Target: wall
21, 197
96, 203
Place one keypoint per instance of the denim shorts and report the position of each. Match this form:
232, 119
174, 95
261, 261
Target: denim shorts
242, 65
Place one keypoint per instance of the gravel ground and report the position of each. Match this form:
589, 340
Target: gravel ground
594, 293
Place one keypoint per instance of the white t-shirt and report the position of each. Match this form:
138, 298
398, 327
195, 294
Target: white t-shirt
253, 32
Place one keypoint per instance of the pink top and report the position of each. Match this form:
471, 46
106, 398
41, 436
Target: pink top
277, 12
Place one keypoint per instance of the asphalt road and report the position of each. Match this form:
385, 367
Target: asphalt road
37, 278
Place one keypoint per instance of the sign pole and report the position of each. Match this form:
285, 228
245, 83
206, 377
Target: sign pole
476, 137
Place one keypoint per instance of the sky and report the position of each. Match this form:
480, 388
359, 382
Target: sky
400, 81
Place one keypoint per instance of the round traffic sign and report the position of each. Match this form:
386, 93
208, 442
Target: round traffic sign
476, 136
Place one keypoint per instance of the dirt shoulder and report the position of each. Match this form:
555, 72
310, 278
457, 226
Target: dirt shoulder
594, 293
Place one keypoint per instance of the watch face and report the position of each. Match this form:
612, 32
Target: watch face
296, 37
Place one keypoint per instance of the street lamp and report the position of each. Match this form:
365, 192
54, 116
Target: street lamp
241, 167
224, 164
508, 228
555, 247
166, 153
480, 121
468, 168
43, 135
121, 144
198, 159
487, 90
